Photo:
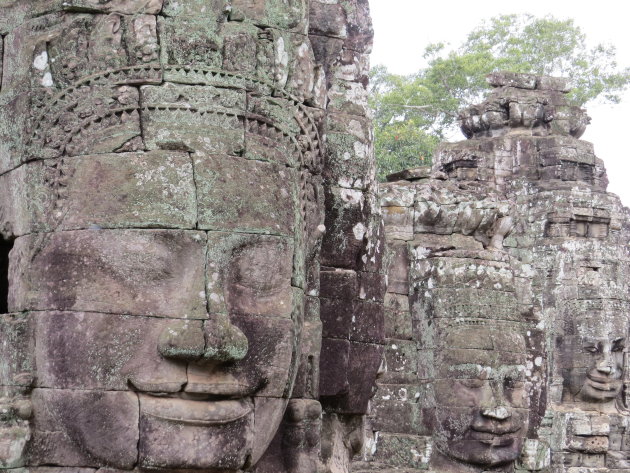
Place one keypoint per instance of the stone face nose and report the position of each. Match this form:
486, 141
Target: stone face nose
212, 340
605, 367
224, 342
182, 340
498, 413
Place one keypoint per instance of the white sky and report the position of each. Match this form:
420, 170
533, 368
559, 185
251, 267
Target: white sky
403, 28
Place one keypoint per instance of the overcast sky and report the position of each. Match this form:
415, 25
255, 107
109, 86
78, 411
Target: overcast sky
403, 28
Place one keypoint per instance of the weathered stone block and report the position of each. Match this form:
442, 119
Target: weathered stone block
1, 58
210, 11
345, 228
349, 98
590, 444
265, 143
399, 222
372, 286
336, 315
127, 7
141, 272
213, 126
326, 49
282, 112
105, 352
360, 32
237, 194
271, 13
339, 284
16, 350
58, 50
327, 19
352, 65
398, 408
348, 157
398, 322
191, 40
240, 47
368, 324
401, 360
372, 255
153, 189
333, 368
67, 469
69, 427
201, 440
398, 268
397, 194
250, 274
364, 358
404, 451
14, 130
352, 320
268, 368
93, 118
307, 379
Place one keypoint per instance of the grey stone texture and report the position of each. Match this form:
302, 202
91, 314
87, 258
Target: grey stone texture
199, 273
185, 187
507, 256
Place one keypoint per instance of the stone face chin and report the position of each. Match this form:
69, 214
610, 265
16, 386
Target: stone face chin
180, 434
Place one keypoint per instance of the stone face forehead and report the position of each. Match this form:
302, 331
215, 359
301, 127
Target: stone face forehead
482, 338
595, 323
454, 361
452, 272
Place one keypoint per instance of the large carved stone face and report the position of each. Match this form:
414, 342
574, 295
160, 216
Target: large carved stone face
594, 357
163, 256
189, 392
171, 348
481, 394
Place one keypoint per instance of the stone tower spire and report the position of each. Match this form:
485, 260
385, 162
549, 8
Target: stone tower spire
525, 190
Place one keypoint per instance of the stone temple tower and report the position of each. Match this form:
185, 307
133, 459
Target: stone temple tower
525, 191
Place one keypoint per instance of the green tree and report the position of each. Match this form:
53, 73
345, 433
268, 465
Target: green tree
413, 113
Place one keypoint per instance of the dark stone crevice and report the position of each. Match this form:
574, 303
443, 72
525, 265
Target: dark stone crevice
6, 245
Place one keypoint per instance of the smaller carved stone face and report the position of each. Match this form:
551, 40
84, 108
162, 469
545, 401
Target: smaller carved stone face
482, 399
594, 359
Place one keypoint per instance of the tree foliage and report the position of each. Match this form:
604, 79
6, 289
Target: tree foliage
413, 113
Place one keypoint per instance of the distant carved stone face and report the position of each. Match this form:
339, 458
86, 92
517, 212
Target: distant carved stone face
594, 358
603, 378
482, 398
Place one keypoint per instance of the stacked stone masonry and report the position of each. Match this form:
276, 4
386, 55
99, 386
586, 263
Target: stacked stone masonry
509, 240
198, 273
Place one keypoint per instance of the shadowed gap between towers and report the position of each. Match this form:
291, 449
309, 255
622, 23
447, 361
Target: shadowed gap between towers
5, 248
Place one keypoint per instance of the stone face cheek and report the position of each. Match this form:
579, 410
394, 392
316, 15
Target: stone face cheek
144, 272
